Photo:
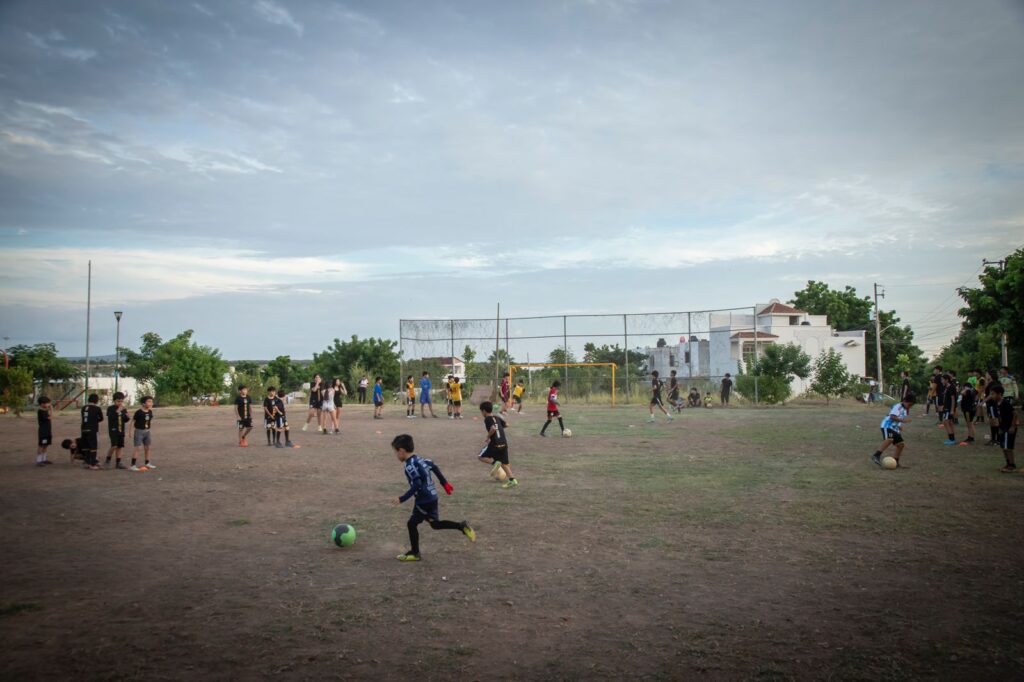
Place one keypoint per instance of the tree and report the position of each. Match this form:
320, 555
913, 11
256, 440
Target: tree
15, 388
830, 375
179, 369
971, 349
290, 375
783, 361
998, 304
616, 354
42, 363
378, 356
468, 355
248, 367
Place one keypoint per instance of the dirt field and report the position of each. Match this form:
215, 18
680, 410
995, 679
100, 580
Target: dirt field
731, 544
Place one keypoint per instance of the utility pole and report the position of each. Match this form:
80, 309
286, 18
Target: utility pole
1005, 340
878, 340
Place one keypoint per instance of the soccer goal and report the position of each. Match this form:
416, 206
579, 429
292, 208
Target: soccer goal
590, 377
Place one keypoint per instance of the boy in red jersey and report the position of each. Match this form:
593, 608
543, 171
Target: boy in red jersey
553, 408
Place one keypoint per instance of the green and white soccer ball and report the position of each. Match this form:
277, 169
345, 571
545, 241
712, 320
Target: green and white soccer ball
343, 535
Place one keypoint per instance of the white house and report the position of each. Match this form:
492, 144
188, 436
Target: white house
731, 342
454, 365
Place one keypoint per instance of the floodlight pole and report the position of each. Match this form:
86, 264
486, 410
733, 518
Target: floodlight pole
878, 341
625, 344
565, 351
117, 350
497, 350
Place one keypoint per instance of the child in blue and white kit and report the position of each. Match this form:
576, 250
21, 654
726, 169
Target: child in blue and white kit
421, 486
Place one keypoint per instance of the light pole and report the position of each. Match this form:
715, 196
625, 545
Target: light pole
117, 349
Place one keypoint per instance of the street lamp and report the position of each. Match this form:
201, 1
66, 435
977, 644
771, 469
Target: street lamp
117, 349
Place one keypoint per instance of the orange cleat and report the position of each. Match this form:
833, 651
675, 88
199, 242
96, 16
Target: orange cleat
243, 443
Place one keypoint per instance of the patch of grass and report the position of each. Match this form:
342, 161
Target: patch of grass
238, 522
15, 608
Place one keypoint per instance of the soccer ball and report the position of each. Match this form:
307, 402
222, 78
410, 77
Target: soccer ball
500, 474
343, 535
890, 463
567, 433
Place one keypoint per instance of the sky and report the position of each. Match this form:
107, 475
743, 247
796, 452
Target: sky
277, 174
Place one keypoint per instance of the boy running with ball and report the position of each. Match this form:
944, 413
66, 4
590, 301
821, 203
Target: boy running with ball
892, 427
553, 412
421, 486
656, 386
495, 450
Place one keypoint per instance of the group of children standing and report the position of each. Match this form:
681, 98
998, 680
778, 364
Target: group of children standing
86, 447
992, 396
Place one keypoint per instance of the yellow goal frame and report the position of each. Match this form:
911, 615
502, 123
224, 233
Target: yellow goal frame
521, 365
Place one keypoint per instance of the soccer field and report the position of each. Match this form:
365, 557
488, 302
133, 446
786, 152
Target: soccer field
730, 544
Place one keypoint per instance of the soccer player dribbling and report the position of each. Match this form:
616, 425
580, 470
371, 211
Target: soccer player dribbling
553, 411
495, 449
421, 486
656, 398
892, 429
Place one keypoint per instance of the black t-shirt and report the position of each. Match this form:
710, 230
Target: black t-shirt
314, 396
268, 407
279, 404
673, 386
498, 437
949, 396
906, 388
656, 388
726, 384
968, 398
1005, 415
43, 416
143, 420
116, 419
92, 415
244, 406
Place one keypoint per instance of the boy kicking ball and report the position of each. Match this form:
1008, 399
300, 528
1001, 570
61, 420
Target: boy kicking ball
495, 450
421, 486
892, 426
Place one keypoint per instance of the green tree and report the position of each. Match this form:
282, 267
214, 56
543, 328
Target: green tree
180, 370
247, 367
376, 355
830, 375
616, 354
784, 361
998, 304
972, 349
43, 364
15, 388
468, 355
290, 375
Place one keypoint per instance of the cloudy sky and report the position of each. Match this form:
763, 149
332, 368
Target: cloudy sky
275, 174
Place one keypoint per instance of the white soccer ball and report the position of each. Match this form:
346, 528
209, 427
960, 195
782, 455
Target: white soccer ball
567, 433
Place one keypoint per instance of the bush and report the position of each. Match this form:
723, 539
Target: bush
15, 388
770, 390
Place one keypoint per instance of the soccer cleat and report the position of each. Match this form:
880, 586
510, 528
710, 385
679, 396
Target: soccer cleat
243, 443
877, 459
278, 445
134, 468
305, 426
949, 441
468, 532
964, 443
669, 417
1008, 469
510, 483
650, 420
543, 435
119, 465
408, 556
150, 465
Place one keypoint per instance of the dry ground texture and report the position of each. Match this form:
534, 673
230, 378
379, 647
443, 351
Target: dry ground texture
730, 544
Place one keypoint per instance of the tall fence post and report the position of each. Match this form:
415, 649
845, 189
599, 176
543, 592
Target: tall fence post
754, 319
565, 350
451, 359
689, 348
625, 343
401, 356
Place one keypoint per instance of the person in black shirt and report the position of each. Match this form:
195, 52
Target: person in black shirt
315, 399
243, 415
947, 408
968, 407
282, 422
142, 422
75, 448
44, 415
905, 388
726, 389
92, 415
495, 449
270, 417
117, 426
656, 398
1009, 422
673, 392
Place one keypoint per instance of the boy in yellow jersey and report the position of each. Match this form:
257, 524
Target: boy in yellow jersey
456, 391
517, 397
410, 398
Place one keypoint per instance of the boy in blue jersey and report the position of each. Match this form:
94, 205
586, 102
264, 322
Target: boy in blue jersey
425, 402
378, 398
892, 427
421, 486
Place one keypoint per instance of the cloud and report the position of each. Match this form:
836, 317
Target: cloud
79, 54
275, 14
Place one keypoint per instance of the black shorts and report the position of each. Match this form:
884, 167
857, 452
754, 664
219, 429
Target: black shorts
281, 423
656, 401
946, 415
969, 413
378, 403
456, 403
410, 400
673, 396
116, 439
1006, 440
498, 454
424, 512
890, 434
517, 399
552, 414
45, 438
314, 404
90, 440
245, 423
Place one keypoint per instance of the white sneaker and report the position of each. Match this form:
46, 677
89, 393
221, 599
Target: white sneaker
319, 429
650, 420
305, 426
150, 465
134, 467
669, 417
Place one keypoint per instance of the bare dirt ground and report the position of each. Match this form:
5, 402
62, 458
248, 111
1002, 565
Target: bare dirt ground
730, 544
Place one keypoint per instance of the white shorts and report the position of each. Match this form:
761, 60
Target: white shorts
327, 406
